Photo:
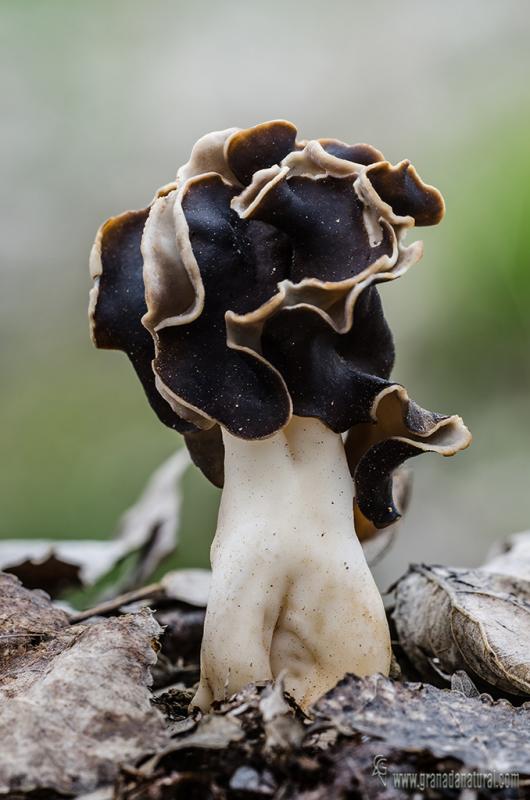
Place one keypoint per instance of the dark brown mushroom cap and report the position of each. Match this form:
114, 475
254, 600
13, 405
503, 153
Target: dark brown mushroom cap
246, 260
256, 278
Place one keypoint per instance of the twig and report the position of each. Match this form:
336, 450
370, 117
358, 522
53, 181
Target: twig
113, 605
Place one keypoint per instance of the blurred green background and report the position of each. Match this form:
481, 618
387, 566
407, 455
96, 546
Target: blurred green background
102, 101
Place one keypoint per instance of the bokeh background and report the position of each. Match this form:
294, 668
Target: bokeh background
102, 101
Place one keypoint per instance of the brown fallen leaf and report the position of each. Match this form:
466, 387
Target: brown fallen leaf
74, 700
413, 717
149, 529
450, 619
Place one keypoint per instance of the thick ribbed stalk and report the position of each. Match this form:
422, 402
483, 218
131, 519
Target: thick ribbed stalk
291, 590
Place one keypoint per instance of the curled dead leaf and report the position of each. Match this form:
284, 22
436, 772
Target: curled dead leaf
450, 619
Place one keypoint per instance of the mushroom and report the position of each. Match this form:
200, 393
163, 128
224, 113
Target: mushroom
246, 298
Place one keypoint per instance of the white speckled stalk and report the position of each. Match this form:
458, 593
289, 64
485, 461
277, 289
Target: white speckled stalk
291, 590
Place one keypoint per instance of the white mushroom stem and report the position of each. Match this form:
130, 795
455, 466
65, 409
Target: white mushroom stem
291, 591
